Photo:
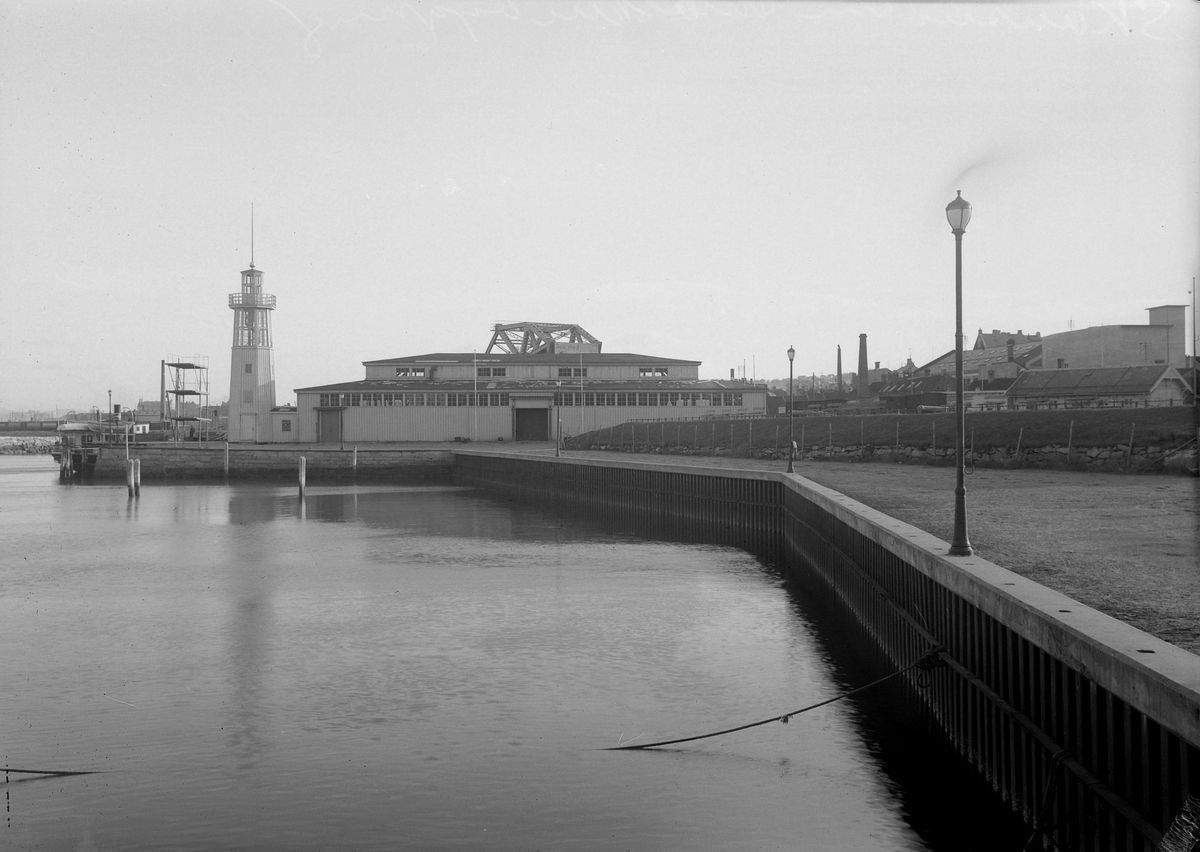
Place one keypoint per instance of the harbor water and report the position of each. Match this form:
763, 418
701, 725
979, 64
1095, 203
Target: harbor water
378, 667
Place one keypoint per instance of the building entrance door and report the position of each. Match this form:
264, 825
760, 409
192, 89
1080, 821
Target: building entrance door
533, 424
246, 427
329, 426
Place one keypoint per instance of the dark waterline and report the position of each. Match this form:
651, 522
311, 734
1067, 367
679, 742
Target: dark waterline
429, 668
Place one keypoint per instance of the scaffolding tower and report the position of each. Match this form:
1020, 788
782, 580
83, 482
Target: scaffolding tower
185, 397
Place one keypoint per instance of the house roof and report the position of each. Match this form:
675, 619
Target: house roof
548, 385
999, 339
593, 358
917, 385
1097, 381
976, 359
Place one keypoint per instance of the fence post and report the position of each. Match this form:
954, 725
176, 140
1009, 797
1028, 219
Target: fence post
1129, 451
1070, 438
1020, 435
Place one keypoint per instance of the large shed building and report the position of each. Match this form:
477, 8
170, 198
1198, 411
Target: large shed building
534, 382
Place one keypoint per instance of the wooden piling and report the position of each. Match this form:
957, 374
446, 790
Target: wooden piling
137, 477
303, 475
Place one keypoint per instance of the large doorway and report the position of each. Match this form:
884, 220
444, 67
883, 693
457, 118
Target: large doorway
329, 425
533, 424
247, 424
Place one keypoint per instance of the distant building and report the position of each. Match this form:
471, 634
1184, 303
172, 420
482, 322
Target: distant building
534, 382
1100, 387
918, 393
1001, 362
998, 339
1161, 341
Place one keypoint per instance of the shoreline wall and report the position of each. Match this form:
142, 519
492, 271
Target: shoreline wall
277, 462
1079, 722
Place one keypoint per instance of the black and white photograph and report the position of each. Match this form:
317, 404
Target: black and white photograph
652, 425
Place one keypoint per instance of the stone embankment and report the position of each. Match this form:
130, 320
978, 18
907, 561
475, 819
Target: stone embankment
34, 445
1137, 459
1110, 459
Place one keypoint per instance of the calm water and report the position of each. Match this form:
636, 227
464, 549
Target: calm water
421, 668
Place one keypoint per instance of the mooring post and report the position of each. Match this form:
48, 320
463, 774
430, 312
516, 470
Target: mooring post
129, 476
226, 459
137, 477
354, 459
303, 477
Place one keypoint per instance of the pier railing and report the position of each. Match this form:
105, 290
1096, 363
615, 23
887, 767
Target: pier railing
1086, 726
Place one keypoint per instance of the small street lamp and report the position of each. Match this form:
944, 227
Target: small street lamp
791, 353
958, 214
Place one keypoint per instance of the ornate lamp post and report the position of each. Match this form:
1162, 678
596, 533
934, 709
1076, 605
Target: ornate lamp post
958, 214
791, 422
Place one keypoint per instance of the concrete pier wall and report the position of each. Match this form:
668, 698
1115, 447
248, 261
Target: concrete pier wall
272, 462
1086, 726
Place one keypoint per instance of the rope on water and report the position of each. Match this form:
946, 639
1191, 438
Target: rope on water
929, 661
7, 769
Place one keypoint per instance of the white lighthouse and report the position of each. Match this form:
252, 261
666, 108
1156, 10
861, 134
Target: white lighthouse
251, 363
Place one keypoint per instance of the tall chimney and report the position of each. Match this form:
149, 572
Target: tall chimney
863, 377
839, 374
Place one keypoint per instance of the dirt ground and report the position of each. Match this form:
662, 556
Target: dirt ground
1125, 544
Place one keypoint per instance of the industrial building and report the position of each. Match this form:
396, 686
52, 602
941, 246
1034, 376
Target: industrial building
533, 382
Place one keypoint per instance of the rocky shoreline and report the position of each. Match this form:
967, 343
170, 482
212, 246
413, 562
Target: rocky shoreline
33, 445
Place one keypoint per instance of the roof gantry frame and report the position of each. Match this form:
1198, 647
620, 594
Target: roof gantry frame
536, 338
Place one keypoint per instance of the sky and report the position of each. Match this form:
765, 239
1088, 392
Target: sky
705, 181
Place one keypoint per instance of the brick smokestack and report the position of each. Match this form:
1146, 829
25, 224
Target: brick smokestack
839, 368
863, 373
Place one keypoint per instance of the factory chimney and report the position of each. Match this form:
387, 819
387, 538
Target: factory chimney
839, 374
863, 373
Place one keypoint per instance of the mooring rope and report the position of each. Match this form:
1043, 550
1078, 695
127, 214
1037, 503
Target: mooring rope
8, 769
1039, 822
929, 661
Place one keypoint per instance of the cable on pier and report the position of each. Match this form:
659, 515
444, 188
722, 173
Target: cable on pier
929, 661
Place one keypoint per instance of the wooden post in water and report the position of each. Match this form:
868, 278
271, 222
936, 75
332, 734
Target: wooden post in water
354, 462
303, 476
129, 476
137, 477
226, 459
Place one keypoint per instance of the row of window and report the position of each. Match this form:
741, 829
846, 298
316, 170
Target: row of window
563, 372
652, 398
410, 398
493, 399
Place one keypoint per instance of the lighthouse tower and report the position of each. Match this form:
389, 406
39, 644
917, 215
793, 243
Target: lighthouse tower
251, 363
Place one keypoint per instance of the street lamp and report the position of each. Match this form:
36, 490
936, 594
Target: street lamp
791, 416
958, 214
